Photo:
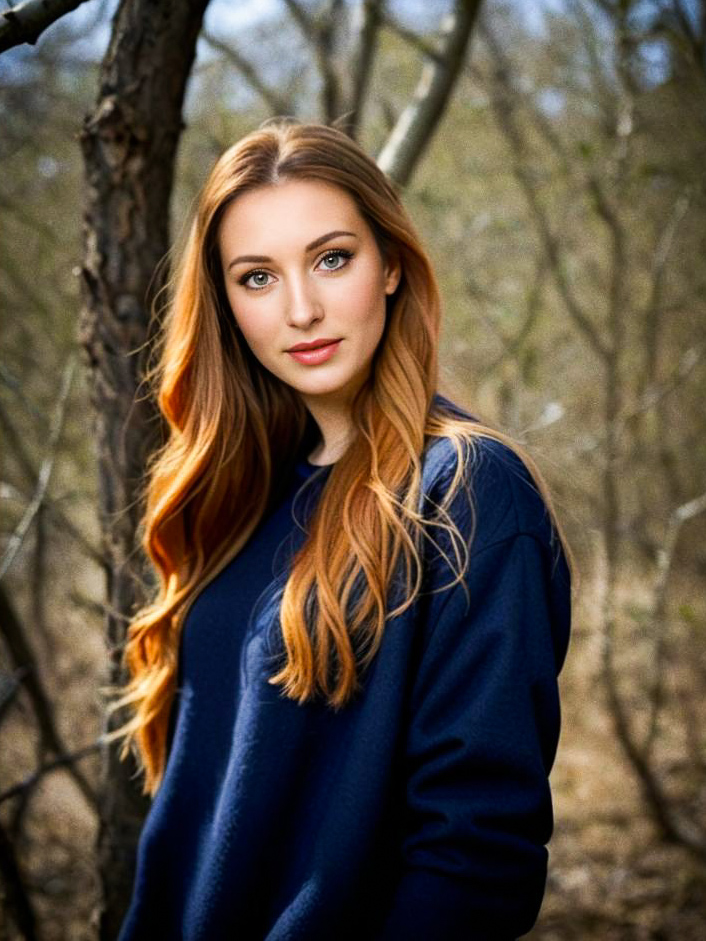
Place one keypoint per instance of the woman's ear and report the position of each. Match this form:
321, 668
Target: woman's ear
393, 273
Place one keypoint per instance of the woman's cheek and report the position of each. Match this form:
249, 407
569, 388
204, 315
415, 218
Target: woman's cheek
259, 330
243, 318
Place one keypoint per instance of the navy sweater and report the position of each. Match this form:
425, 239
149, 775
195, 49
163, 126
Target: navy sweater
421, 810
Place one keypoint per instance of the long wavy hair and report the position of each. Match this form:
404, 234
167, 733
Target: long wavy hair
234, 428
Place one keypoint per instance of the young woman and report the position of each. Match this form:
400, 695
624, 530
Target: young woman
344, 697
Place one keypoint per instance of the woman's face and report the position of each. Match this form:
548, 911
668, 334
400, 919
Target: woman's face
301, 266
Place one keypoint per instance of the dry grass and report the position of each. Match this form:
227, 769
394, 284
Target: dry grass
611, 877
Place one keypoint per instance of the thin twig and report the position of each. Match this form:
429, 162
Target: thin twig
279, 104
658, 613
17, 538
61, 762
14, 636
420, 43
502, 103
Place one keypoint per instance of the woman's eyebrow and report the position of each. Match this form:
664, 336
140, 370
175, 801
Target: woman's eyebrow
309, 248
324, 238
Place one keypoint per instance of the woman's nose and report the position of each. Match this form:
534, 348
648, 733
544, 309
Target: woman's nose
303, 305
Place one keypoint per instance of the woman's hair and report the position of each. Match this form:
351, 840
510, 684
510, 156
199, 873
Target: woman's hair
233, 431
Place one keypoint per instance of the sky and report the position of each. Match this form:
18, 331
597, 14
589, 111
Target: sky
89, 26
228, 18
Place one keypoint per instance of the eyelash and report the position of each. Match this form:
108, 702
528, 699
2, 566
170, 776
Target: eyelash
338, 252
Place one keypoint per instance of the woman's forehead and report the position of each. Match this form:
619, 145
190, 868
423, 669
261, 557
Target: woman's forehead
296, 211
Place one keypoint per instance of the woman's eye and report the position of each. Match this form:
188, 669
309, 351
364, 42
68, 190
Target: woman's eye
330, 260
255, 279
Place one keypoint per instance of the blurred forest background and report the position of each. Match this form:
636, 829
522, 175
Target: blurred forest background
561, 195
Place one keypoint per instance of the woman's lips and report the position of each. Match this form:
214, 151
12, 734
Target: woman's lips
319, 355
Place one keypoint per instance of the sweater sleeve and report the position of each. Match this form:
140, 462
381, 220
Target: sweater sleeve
482, 735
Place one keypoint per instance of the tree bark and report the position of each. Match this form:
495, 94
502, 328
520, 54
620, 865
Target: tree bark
129, 144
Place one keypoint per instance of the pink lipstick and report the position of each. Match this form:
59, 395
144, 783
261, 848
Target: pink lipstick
311, 355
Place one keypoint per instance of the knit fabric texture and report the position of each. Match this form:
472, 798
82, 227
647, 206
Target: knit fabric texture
418, 812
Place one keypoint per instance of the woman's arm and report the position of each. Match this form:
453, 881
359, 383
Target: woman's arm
483, 731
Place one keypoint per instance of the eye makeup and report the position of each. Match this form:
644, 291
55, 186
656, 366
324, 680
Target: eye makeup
343, 253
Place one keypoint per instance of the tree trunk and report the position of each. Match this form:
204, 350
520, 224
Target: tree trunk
129, 144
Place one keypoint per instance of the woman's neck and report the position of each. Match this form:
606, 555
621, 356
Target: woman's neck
336, 432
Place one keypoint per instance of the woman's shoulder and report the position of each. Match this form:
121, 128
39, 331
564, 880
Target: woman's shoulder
498, 494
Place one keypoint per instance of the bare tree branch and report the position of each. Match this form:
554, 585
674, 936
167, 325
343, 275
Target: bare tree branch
15, 385
17, 538
38, 575
15, 896
504, 110
675, 824
513, 343
603, 83
325, 51
306, 23
16, 210
656, 394
684, 33
414, 39
692, 725
321, 33
658, 612
366, 28
23, 658
417, 123
653, 308
26, 22
279, 104
59, 518
62, 761
10, 684
542, 124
